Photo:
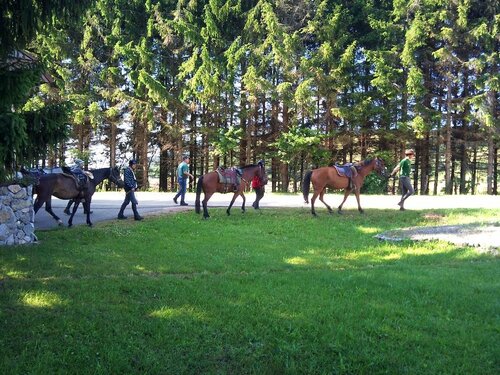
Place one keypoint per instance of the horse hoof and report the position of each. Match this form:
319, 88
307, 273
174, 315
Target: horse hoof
340, 212
60, 223
361, 211
66, 212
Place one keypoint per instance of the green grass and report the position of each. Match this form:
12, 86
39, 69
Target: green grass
268, 292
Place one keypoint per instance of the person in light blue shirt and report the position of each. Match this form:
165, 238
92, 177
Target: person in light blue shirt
182, 178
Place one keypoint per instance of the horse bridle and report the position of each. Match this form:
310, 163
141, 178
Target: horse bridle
112, 176
379, 167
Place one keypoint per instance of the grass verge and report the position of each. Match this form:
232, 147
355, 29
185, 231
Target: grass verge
271, 291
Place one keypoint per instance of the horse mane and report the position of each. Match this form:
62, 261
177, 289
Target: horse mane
249, 166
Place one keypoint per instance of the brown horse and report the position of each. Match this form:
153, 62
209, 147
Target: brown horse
324, 177
210, 184
63, 186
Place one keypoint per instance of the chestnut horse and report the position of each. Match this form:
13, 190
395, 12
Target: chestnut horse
63, 186
324, 177
210, 184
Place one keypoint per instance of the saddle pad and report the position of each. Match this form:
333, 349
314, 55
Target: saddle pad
229, 176
346, 170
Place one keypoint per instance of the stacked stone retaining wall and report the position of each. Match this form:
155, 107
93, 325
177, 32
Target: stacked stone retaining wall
17, 217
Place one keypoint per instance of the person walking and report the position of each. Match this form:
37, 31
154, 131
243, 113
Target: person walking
182, 178
404, 168
130, 188
258, 187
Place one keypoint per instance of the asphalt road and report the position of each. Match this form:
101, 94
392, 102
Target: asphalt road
105, 205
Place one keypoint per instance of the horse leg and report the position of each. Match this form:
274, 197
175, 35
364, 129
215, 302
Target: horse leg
244, 200
48, 208
313, 199
231, 204
204, 203
73, 212
356, 191
321, 195
86, 208
66, 210
347, 191
38, 203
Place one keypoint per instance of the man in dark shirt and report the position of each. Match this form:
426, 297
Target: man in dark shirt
130, 188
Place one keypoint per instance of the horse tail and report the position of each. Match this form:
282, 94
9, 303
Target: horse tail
305, 186
199, 188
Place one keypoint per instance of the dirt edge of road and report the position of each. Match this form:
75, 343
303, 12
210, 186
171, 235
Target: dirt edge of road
484, 237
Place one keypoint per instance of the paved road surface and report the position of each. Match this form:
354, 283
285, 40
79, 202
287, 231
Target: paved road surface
105, 205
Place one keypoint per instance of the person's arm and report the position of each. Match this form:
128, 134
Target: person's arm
395, 170
186, 173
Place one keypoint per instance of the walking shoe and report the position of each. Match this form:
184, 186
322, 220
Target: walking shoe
121, 217
184, 204
402, 209
175, 200
138, 218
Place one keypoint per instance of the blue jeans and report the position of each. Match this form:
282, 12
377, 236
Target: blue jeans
129, 198
182, 188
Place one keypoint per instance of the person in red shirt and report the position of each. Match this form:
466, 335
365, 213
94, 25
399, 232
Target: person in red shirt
258, 187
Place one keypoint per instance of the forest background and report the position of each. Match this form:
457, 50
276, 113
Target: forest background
299, 84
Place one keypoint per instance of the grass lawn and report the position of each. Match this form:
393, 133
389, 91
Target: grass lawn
269, 292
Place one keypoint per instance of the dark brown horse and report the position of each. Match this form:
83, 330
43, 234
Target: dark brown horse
210, 184
63, 186
324, 177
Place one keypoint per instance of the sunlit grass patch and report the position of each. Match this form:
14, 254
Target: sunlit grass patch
296, 261
185, 311
42, 299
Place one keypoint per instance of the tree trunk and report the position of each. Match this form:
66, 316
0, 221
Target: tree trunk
495, 171
474, 170
164, 168
285, 179
447, 140
491, 178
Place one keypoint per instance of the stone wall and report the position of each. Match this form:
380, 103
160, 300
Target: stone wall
17, 217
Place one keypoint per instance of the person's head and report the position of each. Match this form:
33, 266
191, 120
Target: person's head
185, 159
132, 163
410, 153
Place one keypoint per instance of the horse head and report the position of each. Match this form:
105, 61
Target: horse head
380, 167
115, 177
262, 172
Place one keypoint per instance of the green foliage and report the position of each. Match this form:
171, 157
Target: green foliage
374, 184
13, 138
298, 140
227, 140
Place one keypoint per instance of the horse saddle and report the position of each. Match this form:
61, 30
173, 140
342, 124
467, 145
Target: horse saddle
347, 170
229, 177
80, 177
